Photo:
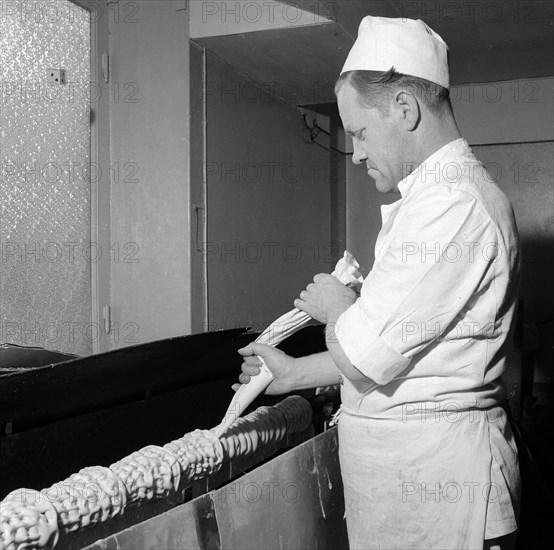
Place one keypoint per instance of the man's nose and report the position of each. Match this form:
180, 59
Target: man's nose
359, 154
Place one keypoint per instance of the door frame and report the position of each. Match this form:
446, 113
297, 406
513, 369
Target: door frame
100, 160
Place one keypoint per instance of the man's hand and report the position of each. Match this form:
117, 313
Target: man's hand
278, 362
326, 298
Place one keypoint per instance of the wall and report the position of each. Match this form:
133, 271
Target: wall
525, 174
268, 203
505, 112
150, 282
158, 274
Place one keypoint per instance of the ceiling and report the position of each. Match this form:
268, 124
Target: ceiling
488, 42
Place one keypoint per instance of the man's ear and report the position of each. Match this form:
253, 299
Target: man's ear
407, 109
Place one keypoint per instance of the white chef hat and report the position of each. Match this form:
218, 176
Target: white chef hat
408, 45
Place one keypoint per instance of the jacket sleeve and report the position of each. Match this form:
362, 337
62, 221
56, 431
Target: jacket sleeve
441, 252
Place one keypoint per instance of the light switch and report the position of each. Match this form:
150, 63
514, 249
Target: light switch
55, 76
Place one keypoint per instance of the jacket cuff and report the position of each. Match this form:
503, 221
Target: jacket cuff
365, 349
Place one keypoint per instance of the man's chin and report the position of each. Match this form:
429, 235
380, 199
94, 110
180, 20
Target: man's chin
384, 186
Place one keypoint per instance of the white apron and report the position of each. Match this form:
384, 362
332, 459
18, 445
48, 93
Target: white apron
444, 481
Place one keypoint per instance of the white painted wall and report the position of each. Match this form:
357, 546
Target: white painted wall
268, 205
505, 112
150, 278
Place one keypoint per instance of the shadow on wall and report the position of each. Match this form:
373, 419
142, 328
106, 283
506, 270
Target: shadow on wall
525, 173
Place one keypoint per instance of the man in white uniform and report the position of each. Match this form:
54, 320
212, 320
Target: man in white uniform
427, 455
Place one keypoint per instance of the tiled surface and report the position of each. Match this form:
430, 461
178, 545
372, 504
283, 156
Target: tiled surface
45, 285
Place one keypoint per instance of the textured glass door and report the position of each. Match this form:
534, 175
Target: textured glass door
46, 175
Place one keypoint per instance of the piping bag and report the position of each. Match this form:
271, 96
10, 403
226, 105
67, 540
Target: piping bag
347, 272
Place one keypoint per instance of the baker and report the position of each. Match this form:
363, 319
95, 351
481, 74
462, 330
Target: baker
427, 456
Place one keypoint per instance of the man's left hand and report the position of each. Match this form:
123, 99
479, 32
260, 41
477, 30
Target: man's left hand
326, 298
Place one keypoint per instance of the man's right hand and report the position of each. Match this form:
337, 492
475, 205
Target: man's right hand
278, 362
